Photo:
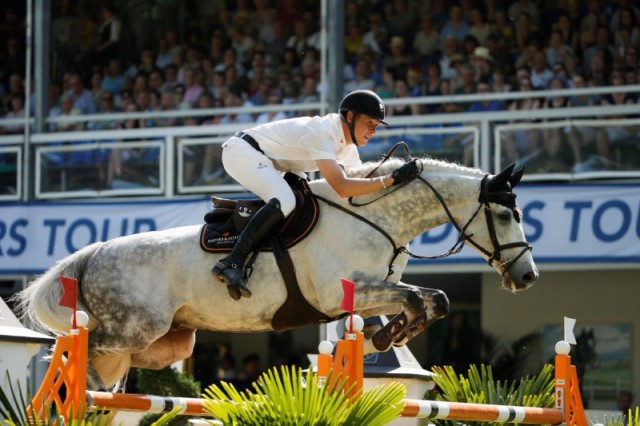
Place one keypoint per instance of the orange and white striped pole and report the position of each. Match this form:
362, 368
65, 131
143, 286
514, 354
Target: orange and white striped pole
480, 412
145, 403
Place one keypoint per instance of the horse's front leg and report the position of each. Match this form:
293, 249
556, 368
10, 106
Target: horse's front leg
376, 297
415, 317
437, 306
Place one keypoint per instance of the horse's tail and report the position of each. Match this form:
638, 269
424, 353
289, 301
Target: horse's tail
38, 303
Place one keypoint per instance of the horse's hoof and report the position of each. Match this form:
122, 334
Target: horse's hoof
234, 292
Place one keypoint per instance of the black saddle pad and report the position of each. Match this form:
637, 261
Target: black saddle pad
228, 217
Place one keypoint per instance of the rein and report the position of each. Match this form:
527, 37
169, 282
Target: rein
384, 159
484, 199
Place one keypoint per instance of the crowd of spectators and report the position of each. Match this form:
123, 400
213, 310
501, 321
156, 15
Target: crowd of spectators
267, 52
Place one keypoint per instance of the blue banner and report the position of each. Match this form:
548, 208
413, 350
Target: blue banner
564, 223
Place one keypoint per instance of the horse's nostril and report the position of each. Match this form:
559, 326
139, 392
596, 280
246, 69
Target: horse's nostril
441, 303
529, 277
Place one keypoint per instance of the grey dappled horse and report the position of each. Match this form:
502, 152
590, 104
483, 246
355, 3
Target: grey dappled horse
147, 293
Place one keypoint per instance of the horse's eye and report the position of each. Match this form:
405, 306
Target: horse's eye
504, 215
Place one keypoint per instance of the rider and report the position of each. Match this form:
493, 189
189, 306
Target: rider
257, 158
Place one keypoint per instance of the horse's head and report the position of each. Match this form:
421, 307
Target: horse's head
494, 228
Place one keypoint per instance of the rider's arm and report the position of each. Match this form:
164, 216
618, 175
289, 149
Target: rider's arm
350, 187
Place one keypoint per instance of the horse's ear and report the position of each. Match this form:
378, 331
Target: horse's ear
514, 179
497, 181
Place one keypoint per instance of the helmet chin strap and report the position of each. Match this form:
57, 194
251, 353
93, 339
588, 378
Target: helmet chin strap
351, 126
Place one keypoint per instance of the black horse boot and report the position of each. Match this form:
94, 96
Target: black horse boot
230, 269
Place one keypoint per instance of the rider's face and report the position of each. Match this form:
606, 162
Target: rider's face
365, 128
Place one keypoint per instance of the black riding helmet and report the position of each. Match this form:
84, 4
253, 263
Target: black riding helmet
361, 102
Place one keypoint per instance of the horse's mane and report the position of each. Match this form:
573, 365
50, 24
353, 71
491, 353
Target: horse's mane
429, 164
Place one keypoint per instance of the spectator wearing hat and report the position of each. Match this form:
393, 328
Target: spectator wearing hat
482, 62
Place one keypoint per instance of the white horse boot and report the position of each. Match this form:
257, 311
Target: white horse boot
230, 269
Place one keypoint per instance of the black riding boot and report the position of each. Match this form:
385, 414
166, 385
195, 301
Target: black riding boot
230, 269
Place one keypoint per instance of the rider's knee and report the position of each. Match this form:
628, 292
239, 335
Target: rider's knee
287, 203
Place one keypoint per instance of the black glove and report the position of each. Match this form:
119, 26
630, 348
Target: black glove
408, 171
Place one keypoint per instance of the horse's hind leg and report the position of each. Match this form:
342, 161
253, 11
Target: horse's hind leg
109, 368
174, 346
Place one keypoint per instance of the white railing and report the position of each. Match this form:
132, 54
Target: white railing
476, 139
10, 173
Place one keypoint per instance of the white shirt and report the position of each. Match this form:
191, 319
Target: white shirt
296, 143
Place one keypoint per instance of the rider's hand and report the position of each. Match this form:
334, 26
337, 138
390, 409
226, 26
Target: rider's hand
408, 171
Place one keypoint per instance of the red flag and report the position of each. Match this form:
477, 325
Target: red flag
69, 290
69, 294
349, 290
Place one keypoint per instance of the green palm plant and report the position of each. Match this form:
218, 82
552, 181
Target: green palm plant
480, 387
288, 397
633, 419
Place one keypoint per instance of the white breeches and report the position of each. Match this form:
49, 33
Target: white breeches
255, 171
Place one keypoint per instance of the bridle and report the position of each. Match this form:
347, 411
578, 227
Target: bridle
486, 196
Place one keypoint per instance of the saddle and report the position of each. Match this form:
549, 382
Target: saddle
227, 219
